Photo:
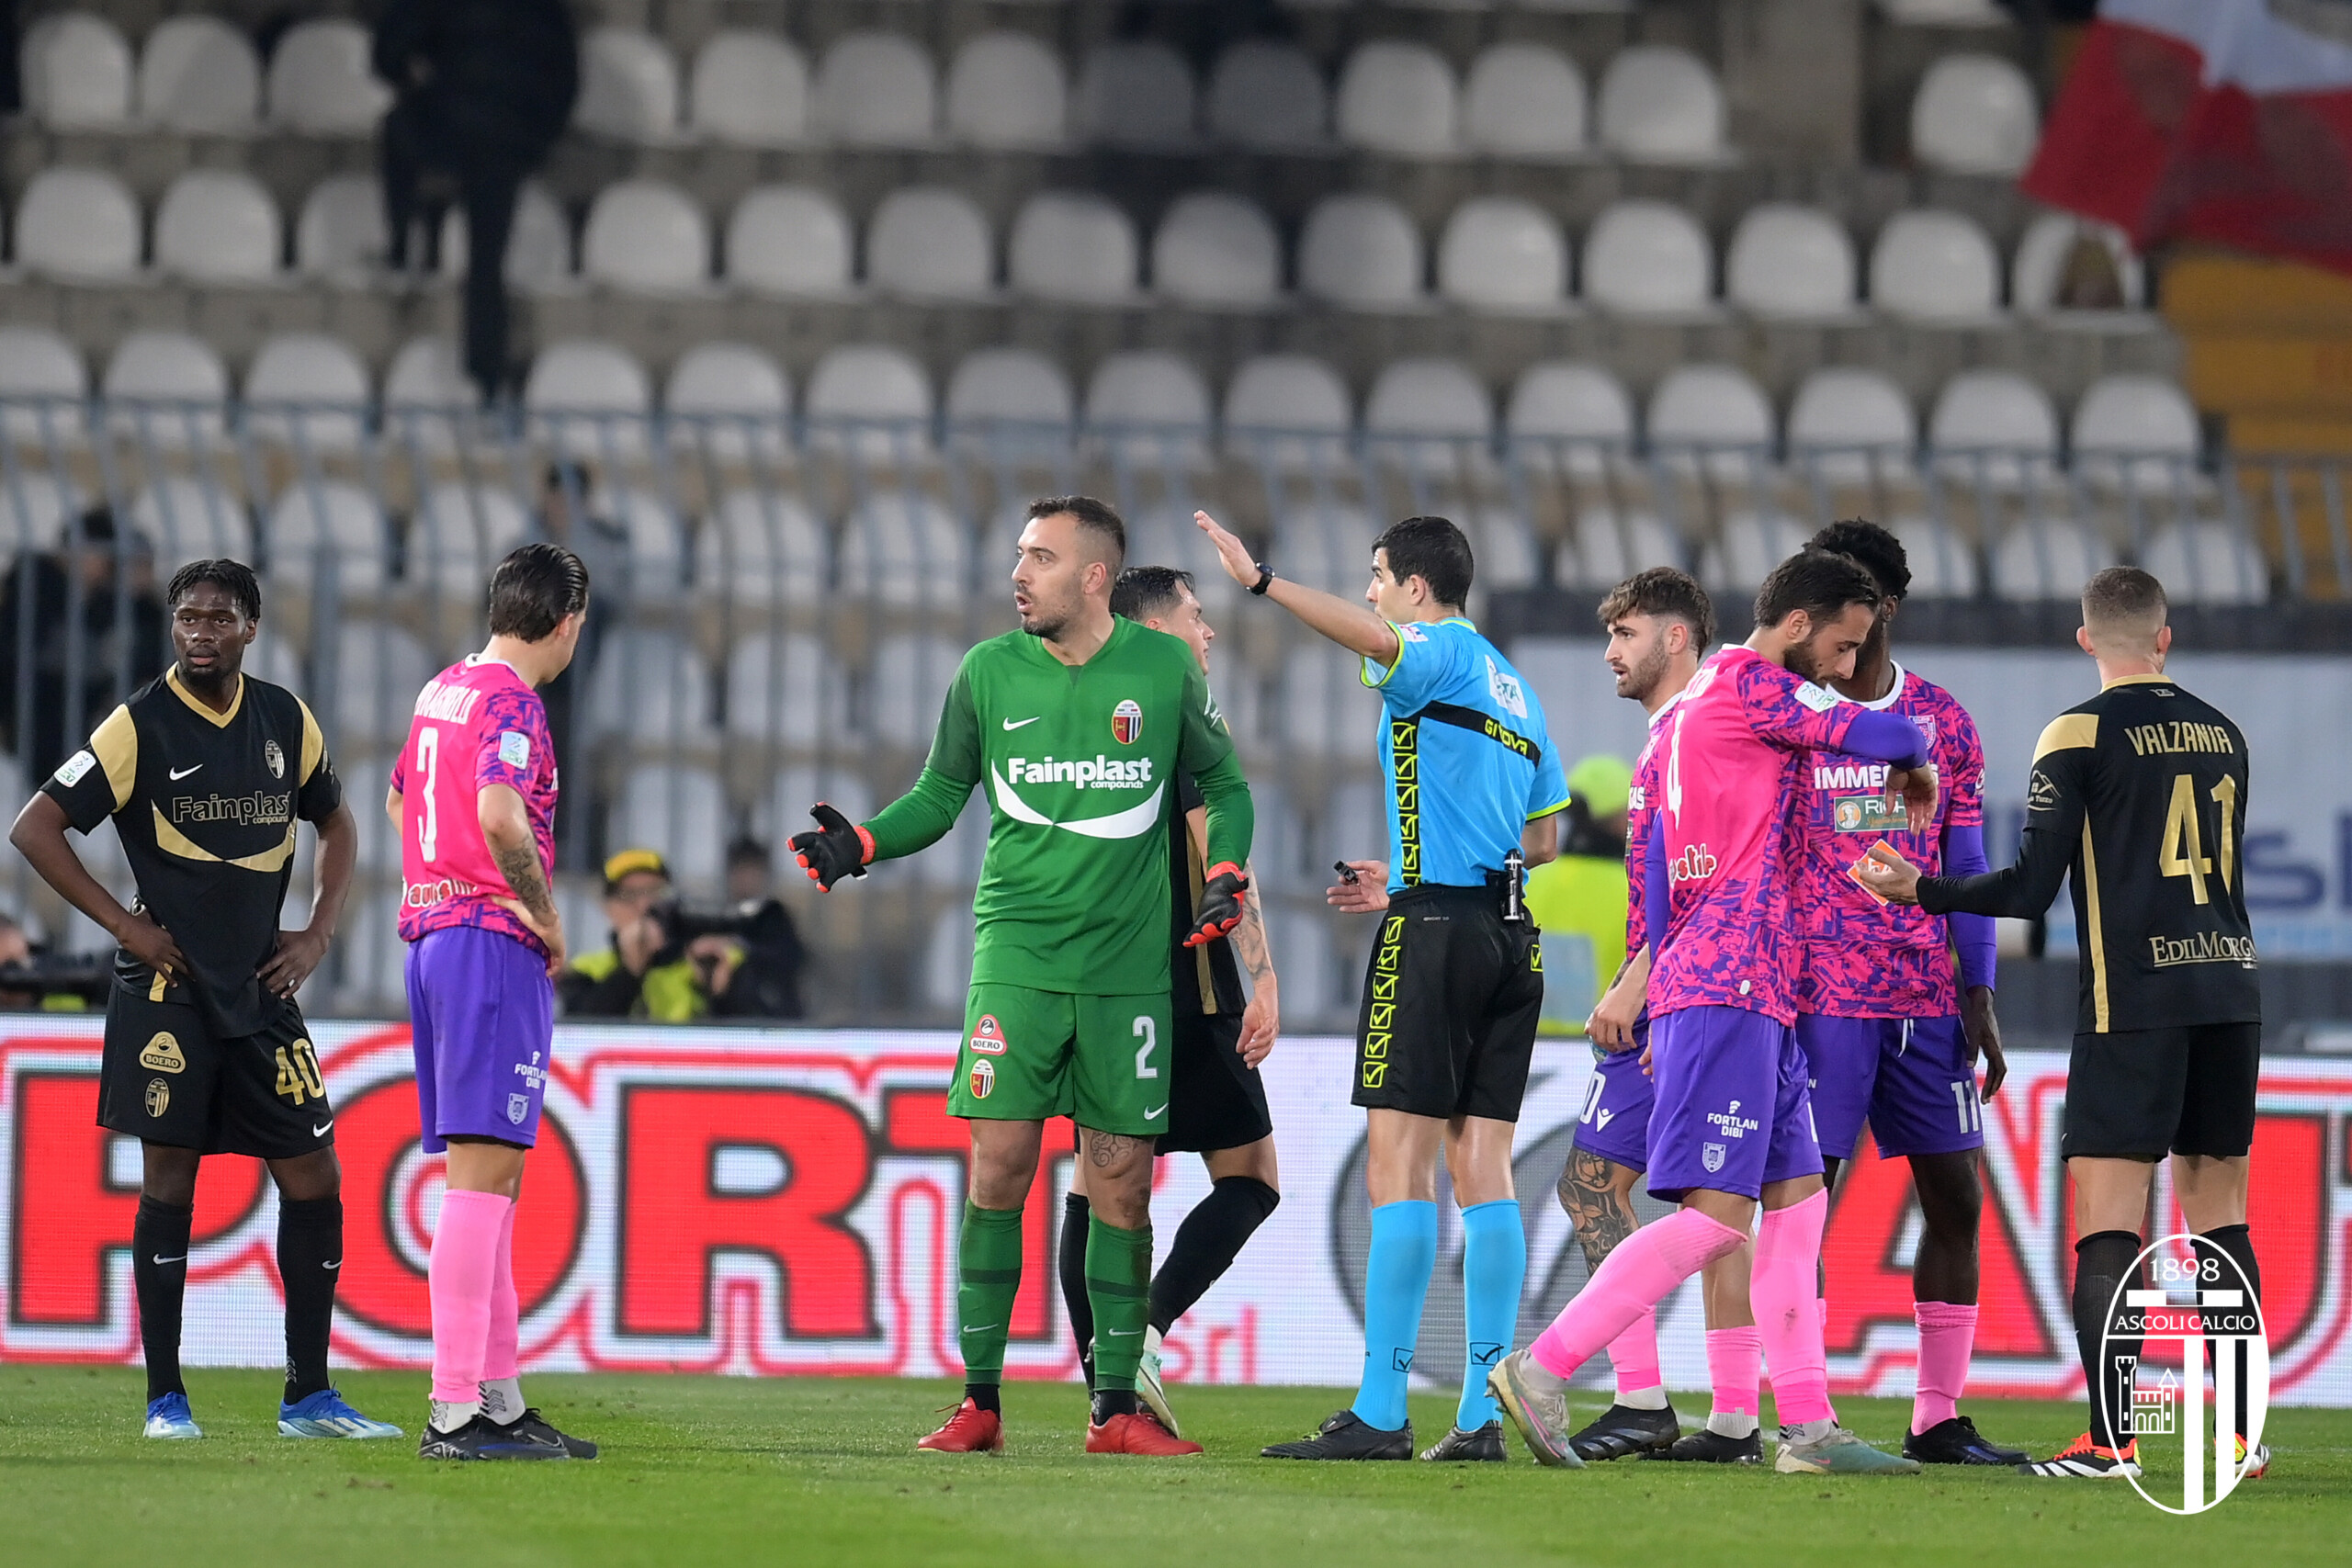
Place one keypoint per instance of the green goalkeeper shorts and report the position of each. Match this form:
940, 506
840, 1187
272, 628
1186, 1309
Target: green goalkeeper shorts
1031, 1054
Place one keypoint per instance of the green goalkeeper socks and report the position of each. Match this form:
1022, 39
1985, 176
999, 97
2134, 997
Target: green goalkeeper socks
1118, 1287
988, 1262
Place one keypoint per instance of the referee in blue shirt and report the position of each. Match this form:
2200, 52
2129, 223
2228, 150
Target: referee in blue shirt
1456, 982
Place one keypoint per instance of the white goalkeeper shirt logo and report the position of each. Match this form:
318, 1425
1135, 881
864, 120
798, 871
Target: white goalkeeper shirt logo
1137, 819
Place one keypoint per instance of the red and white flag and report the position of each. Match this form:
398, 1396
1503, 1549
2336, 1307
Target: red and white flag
2228, 121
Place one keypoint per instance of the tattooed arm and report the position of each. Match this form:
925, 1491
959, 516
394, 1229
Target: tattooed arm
1262, 1018
506, 829
1598, 1195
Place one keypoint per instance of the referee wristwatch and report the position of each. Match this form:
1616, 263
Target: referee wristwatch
1265, 580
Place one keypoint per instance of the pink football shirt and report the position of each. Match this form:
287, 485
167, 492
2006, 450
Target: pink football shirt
1641, 803
1730, 805
477, 723
1863, 958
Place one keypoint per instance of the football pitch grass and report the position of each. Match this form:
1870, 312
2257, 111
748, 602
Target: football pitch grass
722, 1471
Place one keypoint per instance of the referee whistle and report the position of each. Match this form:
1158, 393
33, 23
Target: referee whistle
1347, 872
1514, 875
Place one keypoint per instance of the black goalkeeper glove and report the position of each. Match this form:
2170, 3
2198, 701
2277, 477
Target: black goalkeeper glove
838, 848
1220, 907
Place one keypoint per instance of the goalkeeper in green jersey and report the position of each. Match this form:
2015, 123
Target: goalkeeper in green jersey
1077, 726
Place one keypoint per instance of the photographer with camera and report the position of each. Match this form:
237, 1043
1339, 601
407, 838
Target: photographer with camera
767, 978
661, 963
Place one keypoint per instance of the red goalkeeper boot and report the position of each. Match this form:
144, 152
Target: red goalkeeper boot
971, 1430
1139, 1433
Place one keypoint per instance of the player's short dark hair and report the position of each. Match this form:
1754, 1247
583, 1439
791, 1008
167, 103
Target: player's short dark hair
1668, 592
233, 578
1822, 583
535, 587
1881, 553
1143, 592
1096, 517
1434, 550
2124, 593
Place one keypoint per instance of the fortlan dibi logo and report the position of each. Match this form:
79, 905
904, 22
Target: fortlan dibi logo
2200, 1307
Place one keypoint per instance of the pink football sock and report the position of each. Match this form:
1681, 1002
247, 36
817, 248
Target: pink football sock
1635, 1278
1735, 1364
1633, 1355
506, 1309
465, 1256
1788, 1250
1946, 1334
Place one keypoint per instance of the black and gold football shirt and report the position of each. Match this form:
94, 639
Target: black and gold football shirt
206, 804
2141, 793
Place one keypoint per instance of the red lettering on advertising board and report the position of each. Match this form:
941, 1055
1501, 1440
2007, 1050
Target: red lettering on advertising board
916, 1122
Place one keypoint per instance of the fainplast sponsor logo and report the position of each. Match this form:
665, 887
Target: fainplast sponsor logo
1693, 864
1095, 772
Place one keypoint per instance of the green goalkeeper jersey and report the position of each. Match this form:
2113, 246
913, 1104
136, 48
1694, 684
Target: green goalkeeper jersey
1079, 766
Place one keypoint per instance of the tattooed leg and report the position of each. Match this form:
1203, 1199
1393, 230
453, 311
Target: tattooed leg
1598, 1195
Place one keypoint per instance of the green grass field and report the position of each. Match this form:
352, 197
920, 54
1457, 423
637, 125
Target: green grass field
725, 1471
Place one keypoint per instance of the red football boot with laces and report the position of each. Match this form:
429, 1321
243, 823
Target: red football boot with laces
971, 1430
1140, 1434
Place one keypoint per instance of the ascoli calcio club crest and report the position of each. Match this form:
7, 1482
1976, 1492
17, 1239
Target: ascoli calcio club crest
1127, 722
276, 758
983, 1078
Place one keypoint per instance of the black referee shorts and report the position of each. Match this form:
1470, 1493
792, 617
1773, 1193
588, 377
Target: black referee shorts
1217, 1101
1449, 1005
164, 1077
2144, 1093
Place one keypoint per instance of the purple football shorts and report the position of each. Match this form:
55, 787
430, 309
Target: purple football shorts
482, 1016
1732, 1113
1908, 1077
1616, 1120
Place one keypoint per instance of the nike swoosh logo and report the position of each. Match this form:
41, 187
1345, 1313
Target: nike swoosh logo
336, 1264
179, 774
982, 1327
1124, 1333
1128, 824
320, 1129
1016, 724
1153, 1114
181, 1258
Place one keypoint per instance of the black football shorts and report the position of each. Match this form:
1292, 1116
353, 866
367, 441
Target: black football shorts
166, 1078
1218, 1100
2144, 1093
1450, 1000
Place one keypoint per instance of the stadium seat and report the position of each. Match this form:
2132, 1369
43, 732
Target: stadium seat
217, 226
1935, 265
728, 398
764, 547
1135, 93
2206, 563
1428, 414
320, 82
876, 89
910, 680
1993, 426
1717, 410
1326, 710
1611, 548
1660, 104
425, 396
628, 86
2048, 558
1005, 90
1524, 100
1792, 261
787, 688
173, 386
1501, 253
1014, 397
2135, 430
1505, 549
880, 388
459, 533
1267, 94
1946, 12
308, 390
1361, 251
2066, 262
1150, 407
947, 956
1942, 564
322, 527
1647, 258
646, 236
589, 398
659, 563
1751, 544
1217, 248
750, 88
1568, 400
1289, 411
1074, 247
1974, 114
905, 550
340, 228
1167, 535
1400, 99
539, 250
188, 520
39, 363
1327, 545
77, 71
929, 242
789, 240
652, 688
1852, 423
34, 510
681, 811
378, 670
200, 75
78, 224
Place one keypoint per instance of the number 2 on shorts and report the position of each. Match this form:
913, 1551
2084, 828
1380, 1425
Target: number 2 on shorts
1147, 1031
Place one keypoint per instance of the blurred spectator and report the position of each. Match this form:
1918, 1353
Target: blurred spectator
1580, 899
644, 970
767, 982
566, 517
481, 89
16, 947
62, 622
24, 993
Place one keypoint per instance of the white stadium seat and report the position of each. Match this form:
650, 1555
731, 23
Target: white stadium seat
1525, 101
1429, 413
320, 82
35, 510
786, 811
1398, 98
1840, 409
328, 525
1661, 105
909, 682
1790, 260
682, 810
929, 242
789, 240
1328, 547
1712, 405
426, 374
628, 86
905, 550
1995, 425
2043, 274
77, 71
1136, 93
1610, 548
1501, 253
652, 687
764, 547
731, 400
2048, 558
1072, 246
2206, 563
1150, 407
1507, 552
1360, 249
1267, 94
1005, 90
539, 250
876, 89
1298, 396
1016, 387
750, 88
1935, 265
217, 226
199, 74
591, 397
1645, 257
1752, 543
458, 534
881, 388
340, 228
1568, 400
179, 376
1942, 564
189, 520
2136, 431
646, 235
39, 363
378, 670
1974, 114
787, 688
316, 371
1327, 710
78, 224
1213, 248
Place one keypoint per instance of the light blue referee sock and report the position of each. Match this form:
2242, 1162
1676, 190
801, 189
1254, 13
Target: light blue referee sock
1493, 1268
1395, 1282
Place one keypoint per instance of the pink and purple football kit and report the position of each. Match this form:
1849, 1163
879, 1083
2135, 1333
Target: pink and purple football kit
1616, 1120
482, 1009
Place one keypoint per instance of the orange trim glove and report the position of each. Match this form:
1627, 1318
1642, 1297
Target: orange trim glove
838, 848
1222, 894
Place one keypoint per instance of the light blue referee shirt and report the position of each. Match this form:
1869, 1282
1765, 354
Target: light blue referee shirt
1468, 761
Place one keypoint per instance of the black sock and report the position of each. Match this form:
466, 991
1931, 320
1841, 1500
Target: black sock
2102, 1261
2236, 1242
1072, 1263
1208, 1241
310, 1259
984, 1395
1110, 1402
158, 1273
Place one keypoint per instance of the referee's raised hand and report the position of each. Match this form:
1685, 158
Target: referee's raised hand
1231, 553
